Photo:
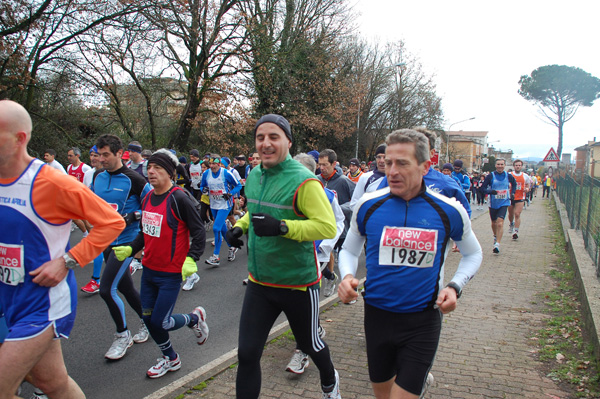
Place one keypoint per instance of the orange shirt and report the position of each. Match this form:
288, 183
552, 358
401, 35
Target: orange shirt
354, 179
58, 198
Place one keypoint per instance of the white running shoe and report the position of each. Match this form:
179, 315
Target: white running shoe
321, 332
119, 346
231, 255
335, 394
37, 394
428, 383
201, 328
511, 228
496, 249
135, 265
298, 363
142, 334
329, 288
190, 281
163, 366
213, 260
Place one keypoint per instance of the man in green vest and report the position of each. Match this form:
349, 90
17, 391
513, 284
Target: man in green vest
287, 211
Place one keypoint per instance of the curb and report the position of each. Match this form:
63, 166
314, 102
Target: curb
225, 361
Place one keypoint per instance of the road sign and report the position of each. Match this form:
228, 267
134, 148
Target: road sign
551, 156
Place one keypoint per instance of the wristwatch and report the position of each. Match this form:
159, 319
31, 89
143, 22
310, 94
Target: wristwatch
70, 263
283, 228
456, 288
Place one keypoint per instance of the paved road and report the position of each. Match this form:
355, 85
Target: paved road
220, 291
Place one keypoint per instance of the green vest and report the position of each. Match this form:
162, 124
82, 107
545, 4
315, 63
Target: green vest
279, 261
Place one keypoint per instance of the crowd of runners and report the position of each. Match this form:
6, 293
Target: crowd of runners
150, 211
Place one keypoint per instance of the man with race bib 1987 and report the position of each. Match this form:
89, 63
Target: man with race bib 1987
407, 228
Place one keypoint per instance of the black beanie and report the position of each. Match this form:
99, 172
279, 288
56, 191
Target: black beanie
164, 161
380, 150
279, 121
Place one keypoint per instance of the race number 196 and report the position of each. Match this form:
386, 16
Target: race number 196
406, 246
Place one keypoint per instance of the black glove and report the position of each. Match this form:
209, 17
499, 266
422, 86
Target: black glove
493, 192
226, 196
132, 217
266, 225
233, 237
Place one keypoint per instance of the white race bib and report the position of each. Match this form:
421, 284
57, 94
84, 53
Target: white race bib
216, 195
12, 269
408, 246
151, 223
502, 194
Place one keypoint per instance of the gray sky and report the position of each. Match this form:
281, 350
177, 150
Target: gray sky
478, 50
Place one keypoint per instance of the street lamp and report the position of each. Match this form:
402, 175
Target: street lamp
448, 137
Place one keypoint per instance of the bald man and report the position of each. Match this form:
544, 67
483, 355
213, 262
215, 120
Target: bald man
38, 292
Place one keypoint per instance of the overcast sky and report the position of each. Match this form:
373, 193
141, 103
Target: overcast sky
478, 50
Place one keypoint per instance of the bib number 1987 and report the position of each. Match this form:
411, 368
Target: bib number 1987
406, 246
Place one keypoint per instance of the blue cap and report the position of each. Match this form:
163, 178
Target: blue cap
94, 149
225, 161
314, 154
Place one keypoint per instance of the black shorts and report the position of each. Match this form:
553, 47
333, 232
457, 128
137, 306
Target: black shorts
498, 213
401, 345
513, 202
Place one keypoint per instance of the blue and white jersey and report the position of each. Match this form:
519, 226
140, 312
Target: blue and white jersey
124, 190
26, 242
463, 180
219, 184
442, 184
504, 184
406, 247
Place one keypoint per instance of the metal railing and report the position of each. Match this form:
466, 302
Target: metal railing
580, 193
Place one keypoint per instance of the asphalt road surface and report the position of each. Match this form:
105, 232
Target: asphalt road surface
220, 292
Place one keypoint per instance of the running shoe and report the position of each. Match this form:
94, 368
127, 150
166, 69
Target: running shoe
329, 288
119, 346
322, 332
135, 265
142, 334
428, 383
511, 228
298, 362
231, 255
37, 394
496, 249
213, 260
200, 328
245, 281
190, 281
515, 236
163, 366
92, 287
335, 394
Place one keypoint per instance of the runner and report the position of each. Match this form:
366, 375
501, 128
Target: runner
299, 360
354, 170
123, 189
222, 186
38, 291
169, 219
94, 285
50, 159
195, 171
369, 181
287, 211
76, 168
516, 204
136, 161
500, 186
404, 293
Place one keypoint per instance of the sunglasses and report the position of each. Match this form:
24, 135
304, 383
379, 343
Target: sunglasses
214, 160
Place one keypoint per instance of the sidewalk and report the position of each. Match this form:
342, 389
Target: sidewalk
485, 349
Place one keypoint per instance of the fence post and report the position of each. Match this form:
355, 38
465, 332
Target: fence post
589, 213
578, 220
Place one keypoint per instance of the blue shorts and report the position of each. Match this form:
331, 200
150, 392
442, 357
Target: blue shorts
496, 213
3, 328
25, 330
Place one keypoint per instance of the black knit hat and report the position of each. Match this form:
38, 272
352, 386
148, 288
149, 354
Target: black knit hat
380, 150
166, 161
279, 121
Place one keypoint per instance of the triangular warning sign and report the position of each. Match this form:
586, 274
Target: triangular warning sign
551, 156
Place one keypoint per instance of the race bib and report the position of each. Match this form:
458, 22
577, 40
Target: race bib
114, 206
151, 223
12, 268
407, 246
502, 194
195, 175
519, 186
216, 194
